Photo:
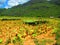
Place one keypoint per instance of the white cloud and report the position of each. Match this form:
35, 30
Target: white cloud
12, 3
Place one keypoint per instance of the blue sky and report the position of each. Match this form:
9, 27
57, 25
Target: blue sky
11, 3
3, 3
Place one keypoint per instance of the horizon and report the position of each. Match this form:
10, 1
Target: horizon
9, 3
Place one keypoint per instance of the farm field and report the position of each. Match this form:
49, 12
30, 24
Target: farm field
29, 31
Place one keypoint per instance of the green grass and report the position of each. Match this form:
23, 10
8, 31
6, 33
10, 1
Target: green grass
36, 42
58, 35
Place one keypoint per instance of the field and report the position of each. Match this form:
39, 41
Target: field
29, 31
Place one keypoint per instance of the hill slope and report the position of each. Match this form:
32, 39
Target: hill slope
34, 8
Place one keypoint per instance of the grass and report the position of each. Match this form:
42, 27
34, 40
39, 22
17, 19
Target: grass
58, 34
36, 42
51, 22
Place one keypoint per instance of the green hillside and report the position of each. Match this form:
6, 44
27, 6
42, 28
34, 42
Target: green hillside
34, 8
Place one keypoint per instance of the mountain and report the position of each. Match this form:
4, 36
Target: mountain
41, 8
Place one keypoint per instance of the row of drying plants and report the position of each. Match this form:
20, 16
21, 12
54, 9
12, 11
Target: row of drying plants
17, 36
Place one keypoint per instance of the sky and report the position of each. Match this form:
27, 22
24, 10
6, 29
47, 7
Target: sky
11, 3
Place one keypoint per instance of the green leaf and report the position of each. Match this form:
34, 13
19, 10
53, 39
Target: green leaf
19, 35
54, 30
36, 42
1, 40
34, 35
14, 40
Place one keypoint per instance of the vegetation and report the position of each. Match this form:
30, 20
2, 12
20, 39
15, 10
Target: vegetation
36, 22
18, 32
35, 8
1, 40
